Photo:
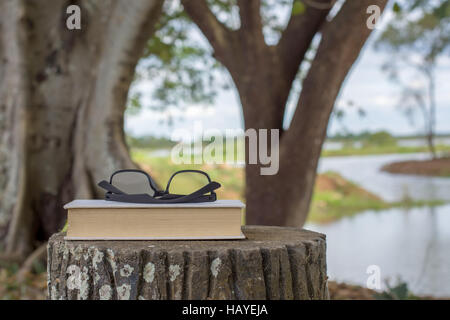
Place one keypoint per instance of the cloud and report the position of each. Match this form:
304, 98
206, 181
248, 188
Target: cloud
199, 111
385, 101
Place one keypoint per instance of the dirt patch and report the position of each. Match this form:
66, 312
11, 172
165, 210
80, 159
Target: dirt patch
344, 291
435, 167
333, 182
325, 183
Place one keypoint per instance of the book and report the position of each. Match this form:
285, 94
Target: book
109, 220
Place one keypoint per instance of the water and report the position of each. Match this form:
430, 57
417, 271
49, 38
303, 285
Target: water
365, 170
411, 244
417, 142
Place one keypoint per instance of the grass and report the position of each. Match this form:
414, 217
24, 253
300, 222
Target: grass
334, 197
349, 199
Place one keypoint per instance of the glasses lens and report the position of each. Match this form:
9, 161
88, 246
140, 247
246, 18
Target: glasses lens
187, 182
132, 182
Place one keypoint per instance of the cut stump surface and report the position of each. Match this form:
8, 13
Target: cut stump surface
272, 263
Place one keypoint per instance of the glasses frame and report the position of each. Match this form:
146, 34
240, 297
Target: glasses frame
160, 196
185, 171
152, 183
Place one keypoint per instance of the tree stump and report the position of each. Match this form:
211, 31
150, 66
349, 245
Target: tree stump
272, 263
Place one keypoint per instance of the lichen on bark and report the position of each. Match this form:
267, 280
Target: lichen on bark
272, 263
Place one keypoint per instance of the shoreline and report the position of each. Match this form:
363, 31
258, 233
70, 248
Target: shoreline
439, 167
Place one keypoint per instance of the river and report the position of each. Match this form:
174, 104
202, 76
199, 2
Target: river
412, 245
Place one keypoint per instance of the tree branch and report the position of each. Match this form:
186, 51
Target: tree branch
39, 254
217, 33
340, 46
251, 24
296, 38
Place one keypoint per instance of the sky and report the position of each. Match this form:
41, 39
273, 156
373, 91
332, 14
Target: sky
366, 85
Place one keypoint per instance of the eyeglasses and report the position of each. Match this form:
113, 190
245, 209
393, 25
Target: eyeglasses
136, 186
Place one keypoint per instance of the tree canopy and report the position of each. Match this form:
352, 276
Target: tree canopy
416, 36
419, 27
181, 64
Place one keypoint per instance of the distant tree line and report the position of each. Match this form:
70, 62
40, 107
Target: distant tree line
149, 142
380, 138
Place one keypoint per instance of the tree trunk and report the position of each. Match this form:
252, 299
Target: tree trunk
430, 143
272, 263
62, 98
432, 113
264, 75
284, 199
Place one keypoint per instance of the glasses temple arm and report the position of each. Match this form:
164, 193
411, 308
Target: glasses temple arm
109, 187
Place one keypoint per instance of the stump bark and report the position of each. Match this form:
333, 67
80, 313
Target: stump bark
272, 263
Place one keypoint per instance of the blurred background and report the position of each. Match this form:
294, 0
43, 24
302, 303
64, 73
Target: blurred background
382, 193
378, 197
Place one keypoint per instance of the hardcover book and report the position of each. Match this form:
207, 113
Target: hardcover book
110, 220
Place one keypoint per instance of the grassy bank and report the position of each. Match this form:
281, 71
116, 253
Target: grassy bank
334, 197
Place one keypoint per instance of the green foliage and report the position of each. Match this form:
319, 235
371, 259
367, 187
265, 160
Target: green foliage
298, 8
39, 267
335, 197
339, 113
380, 138
33, 287
416, 36
134, 103
180, 62
149, 142
377, 138
396, 8
419, 26
398, 292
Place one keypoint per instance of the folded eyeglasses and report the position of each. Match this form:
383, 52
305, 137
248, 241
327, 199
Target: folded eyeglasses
136, 186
